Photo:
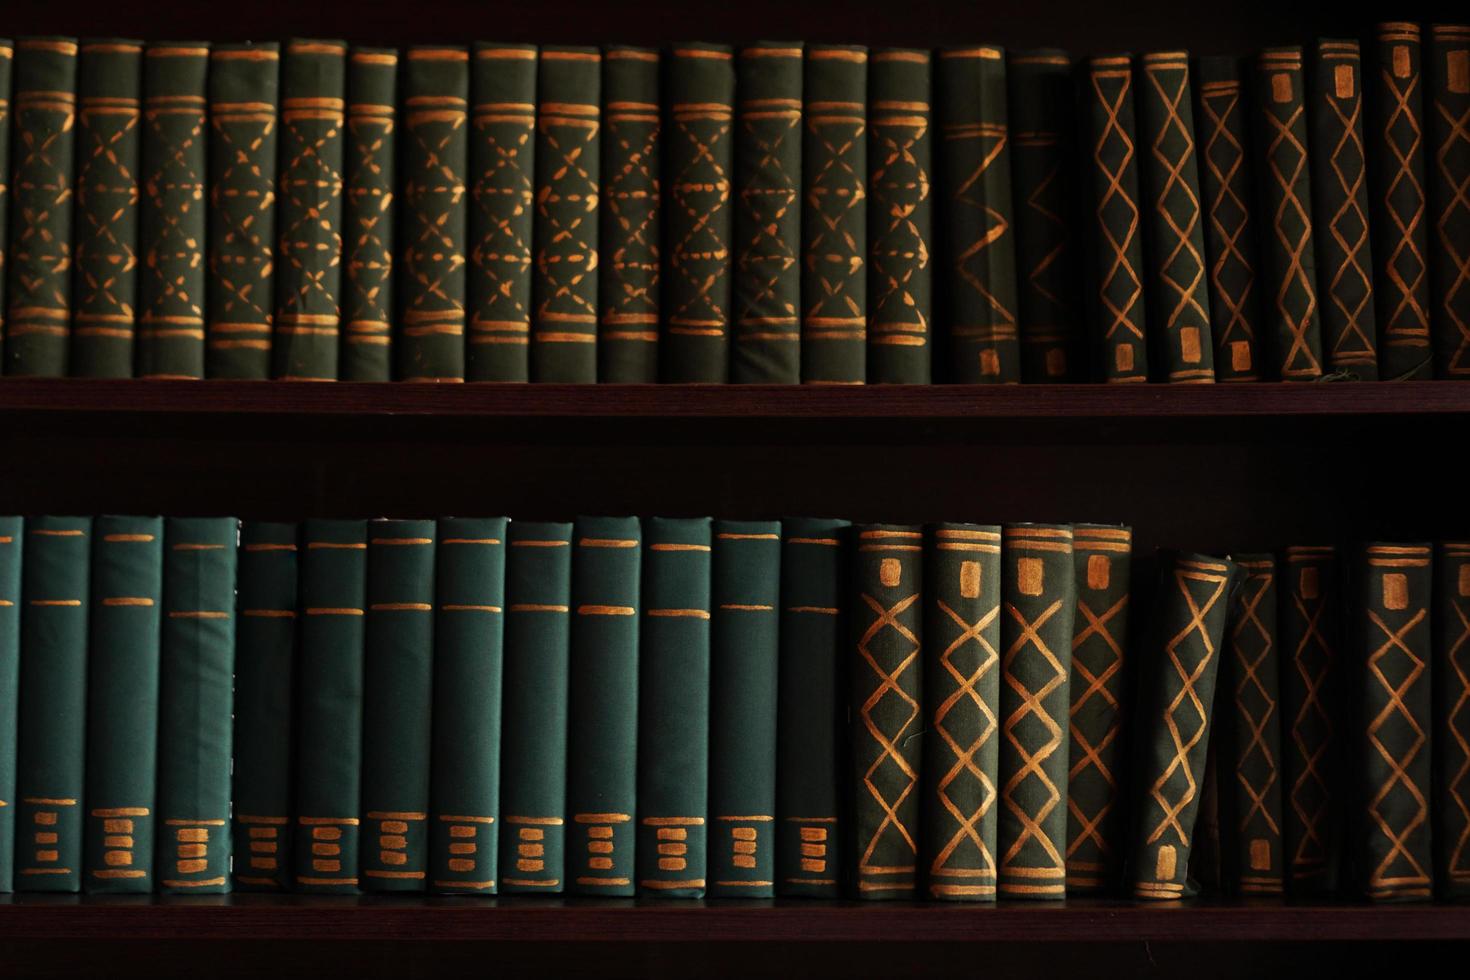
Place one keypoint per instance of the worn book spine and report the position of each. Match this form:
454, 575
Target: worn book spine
502, 147
7, 65
565, 236
901, 225
744, 651
12, 536
975, 185
674, 708
333, 593
834, 248
884, 708
38, 294
602, 750
1451, 737
397, 702
122, 704
961, 668
811, 708
109, 139
308, 267
1102, 564
1447, 75
533, 739
244, 84
469, 646
265, 672
766, 276
368, 212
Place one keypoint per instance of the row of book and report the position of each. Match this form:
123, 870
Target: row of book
774, 213
688, 707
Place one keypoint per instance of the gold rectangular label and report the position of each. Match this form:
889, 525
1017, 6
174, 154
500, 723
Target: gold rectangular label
1029, 576
1308, 583
1280, 87
1189, 344
1400, 61
890, 570
1123, 357
1395, 591
1240, 355
1260, 855
1099, 571
970, 579
1465, 580
1164, 866
1457, 71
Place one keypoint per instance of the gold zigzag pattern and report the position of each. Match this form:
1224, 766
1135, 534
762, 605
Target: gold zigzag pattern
1224, 159
1391, 872
1088, 746
1034, 759
973, 858
1113, 154
891, 828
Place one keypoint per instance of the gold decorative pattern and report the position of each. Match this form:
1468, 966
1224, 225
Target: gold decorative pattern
1120, 289
1224, 162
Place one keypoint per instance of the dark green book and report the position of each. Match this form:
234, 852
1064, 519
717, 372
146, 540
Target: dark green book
244, 86
834, 278
744, 652
397, 701
7, 62
195, 703
329, 678
1447, 76
38, 289
173, 216
11, 542
564, 287
122, 704
1451, 737
884, 708
1177, 282
368, 210
766, 278
502, 146
961, 710
265, 674
469, 635
975, 187
901, 213
309, 219
109, 140
602, 750
811, 708
533, 739
673, 708
1176, 693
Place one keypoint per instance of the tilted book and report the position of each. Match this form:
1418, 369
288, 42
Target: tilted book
369, 209
12, 536
1447, 77
1451, 736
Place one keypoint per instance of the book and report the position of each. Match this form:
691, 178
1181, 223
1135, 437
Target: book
745, 647
674, 708
12, 539
901, 216
7, 64
602, 751
397, 703
105, 240
195, 701
533, 736
699, 156
1447, 149
124, 656
834, 217
961, 701
369, 207
885, 714
1451, 735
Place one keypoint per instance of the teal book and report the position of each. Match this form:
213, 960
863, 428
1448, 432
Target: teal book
11, 543
1447, 104
368, 210
1451, 736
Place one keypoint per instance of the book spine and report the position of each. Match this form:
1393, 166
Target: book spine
105, 287
368, 213
1400, 235
887, 684
673, 711
309, 211
7, 65
1102, 564
12, 537
244, 84
811, 709
333, 593
1177, 281
1177, 692
961, 704
565, 236
50, 765
397, 700
975, 181
1229, 231
173, 219
602, 751
766, 278
533, 739
195, 704
901, 236
265, 670
1448, 76
38, 294
469, 646
1340, 191
122, 704
502, 195
628, 290
1451, 737
1392, 622
834, 280
744, 651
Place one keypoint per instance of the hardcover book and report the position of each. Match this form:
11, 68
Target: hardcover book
12, 539
368, 211
1447, 77
1451, 736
